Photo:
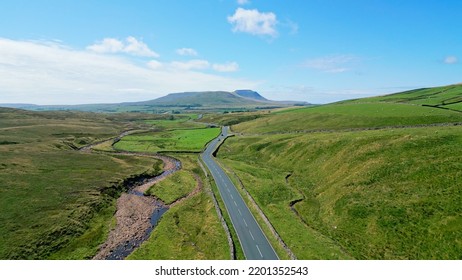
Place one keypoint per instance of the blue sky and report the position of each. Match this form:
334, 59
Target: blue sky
71, 52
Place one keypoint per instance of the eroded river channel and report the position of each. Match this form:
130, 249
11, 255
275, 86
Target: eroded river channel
136, 215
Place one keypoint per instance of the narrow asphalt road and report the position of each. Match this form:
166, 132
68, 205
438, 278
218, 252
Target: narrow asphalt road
253, 241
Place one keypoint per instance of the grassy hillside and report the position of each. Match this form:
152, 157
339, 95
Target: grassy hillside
391, 193
348, 116
52, 196
376, 194
418, 107
443, 97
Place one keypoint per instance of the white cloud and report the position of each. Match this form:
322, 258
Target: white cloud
243, 2
331, 64
451, 60
131, 46
226, 67
154, 64
254, 22
50, 73
195, 64
187, 52
108, 45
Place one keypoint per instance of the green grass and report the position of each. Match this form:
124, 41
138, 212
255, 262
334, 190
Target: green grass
231, 118
51, 196
86, 245
172, 122
177, 186
348, 116
189, 230
387, 194
438, 96
192, 140
365, 193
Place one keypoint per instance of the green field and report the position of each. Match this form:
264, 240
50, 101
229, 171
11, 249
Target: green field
181, 140
231, 118
176, 122
56, 201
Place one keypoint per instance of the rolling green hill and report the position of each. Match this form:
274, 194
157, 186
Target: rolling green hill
413, 108
446, 97
379, 178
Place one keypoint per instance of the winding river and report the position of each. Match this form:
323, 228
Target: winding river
137, 214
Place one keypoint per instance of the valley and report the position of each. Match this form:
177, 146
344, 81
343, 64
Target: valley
371, 178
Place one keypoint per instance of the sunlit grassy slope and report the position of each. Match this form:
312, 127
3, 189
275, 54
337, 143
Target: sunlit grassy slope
439, 96
403, 109
391, 193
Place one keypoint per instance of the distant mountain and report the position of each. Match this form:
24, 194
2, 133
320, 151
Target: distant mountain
183, 101
199, 99
244, 99
247, 93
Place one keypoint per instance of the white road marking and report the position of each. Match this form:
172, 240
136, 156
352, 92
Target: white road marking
235, 203
251, 235
239, 210
228, 190
258, 248
231, 196
245, 222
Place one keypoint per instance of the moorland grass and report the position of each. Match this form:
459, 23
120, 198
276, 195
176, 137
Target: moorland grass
386, 194
437, 96
53, 197
348, 116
